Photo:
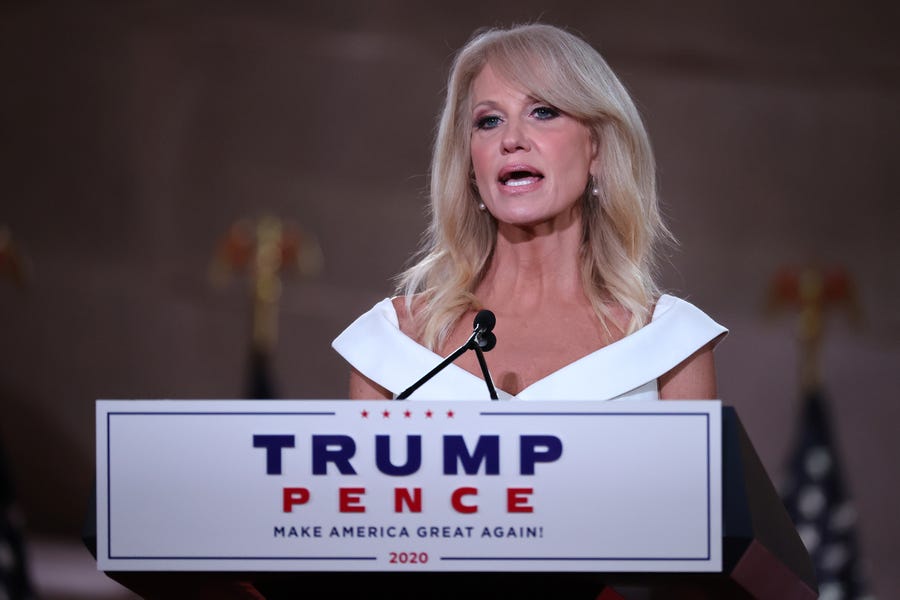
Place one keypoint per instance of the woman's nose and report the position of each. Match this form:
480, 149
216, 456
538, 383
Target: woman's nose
514, 139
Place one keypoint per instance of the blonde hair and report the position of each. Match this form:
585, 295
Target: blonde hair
622, 223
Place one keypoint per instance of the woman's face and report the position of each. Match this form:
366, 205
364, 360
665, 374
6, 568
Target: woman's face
531, 161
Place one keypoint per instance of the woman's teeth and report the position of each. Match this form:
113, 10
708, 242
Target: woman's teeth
518, 182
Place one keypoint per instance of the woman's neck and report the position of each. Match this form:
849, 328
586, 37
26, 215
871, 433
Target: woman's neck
532, 267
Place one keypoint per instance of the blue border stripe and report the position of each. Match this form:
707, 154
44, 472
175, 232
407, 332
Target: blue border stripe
348, 558
568, 558
443, 558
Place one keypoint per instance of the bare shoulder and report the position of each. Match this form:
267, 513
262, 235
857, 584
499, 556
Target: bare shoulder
363, 388
692, 379
405, 313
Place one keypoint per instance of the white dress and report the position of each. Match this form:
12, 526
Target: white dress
624, 370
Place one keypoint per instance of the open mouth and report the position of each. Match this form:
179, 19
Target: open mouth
519, 177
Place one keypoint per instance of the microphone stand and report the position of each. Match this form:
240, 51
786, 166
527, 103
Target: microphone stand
471, 344
484, 371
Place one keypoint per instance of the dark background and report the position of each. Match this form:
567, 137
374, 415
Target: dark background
133, 134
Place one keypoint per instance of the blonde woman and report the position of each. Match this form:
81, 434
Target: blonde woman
544, 210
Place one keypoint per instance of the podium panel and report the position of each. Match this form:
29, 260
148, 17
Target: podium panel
257, 499
419, 486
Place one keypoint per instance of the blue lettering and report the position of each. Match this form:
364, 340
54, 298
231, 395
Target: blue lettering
487, 450
273, 445
413, 455
337, 449
538, 448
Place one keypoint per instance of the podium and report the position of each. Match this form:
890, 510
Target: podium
762, 557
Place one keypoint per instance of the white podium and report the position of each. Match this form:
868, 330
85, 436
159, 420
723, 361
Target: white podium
437, 498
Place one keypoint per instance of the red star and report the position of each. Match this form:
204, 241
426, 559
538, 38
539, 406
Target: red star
449, 414
428, 414
407, 414
386, 414
365, 414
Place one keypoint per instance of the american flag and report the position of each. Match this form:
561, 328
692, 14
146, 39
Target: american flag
816, 496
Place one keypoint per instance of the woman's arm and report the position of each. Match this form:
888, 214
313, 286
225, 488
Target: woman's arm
693, 379
363, 388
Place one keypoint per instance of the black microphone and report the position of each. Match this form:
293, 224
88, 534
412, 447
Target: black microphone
484, 321
485, 341
484, 325
482, 340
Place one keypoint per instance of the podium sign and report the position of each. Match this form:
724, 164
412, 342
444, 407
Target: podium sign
334, 485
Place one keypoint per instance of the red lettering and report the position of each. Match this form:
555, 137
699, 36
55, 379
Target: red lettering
413, 502
350, 500
291, 497
517, 500
409, 500
456, 499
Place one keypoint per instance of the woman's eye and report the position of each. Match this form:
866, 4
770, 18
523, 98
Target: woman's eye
487, 122
545, 112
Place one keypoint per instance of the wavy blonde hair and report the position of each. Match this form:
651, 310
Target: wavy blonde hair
621, 224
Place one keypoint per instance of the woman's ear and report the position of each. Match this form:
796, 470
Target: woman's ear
595, 152
596, 171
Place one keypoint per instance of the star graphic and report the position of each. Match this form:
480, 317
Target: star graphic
365, 414
428, 414
449, 414
386, 414
407, 414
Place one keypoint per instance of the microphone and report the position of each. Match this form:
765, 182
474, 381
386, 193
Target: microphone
484, 321
484, 325
482, 340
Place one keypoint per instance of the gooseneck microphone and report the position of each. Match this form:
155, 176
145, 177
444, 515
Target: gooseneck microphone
484, 321
482, 340
485, 340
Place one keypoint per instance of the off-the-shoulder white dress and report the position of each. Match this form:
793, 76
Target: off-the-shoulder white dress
624, 370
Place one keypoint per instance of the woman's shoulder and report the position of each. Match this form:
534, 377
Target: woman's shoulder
680, 313
406, 308
381, 314
663, 304
670, 302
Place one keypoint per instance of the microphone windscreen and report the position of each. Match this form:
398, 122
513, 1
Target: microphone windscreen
486, 341
484, 321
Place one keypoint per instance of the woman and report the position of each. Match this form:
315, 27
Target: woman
544, 211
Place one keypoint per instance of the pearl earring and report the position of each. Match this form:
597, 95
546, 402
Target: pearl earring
482, 207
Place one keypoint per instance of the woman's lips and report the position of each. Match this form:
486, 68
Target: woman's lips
517, 176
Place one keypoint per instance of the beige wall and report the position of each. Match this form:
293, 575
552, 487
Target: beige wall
134, 134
